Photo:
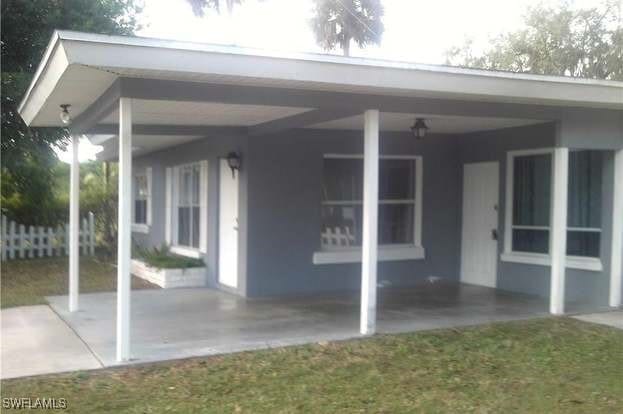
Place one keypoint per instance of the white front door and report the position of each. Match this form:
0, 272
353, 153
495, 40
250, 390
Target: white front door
479, 246
228, 227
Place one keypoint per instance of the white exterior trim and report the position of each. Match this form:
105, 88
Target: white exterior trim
572, 262
124, 230
417, 210
119, 54
168, 210
203, 210
369, 248
171, 210
170, 278
143, 227
508, 255
616, 273
558, 233
386, 253
186, 251
74, 226
508, 205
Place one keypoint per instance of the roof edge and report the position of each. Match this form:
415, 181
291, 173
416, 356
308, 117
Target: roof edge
50, 48
323, 58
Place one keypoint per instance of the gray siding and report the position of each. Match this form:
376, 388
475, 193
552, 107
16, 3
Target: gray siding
583, 286
280, 207
210, 149
284, 211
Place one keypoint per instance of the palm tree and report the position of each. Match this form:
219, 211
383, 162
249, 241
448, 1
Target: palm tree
199, 6
337, 22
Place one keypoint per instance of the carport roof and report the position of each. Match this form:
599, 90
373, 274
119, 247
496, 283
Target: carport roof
77, 68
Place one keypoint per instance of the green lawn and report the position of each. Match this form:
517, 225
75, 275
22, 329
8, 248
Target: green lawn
540, 366
27, 282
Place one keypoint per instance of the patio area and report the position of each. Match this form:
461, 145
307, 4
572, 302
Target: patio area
181, 323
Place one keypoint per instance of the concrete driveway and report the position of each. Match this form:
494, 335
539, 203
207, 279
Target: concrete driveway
180, 323
613, 318
36, 341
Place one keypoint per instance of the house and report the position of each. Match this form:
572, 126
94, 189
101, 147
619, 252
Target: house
302, 173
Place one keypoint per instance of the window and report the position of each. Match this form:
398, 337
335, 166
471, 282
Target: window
531, 203
529, 181
342, 202
584, 207
187, 208
142, 201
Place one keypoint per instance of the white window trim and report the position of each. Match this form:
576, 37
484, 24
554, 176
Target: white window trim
172, 175
390, 252
386, 253
572, 262
541, 259
143, 227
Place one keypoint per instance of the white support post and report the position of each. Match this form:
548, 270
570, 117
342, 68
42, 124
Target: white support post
41, 240
124, 228
558, 222
31, 246
616, 273
91, 234
50, 239
22, 241
12, 238
74, 226
5, 240
370, 221
85, 237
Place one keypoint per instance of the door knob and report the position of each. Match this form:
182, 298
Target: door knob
494, 234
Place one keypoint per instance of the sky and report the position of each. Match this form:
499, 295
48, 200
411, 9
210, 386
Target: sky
415, 30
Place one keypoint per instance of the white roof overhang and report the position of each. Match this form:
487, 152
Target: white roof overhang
77, 68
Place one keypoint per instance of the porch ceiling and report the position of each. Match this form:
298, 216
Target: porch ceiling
141, 144
152, 112
440, 124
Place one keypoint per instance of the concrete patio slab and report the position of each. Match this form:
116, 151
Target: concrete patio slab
613, 318
36, 341
181, 323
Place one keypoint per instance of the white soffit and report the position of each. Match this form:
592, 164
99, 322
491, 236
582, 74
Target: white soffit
202, 113
78, 67
142, 144
438, 124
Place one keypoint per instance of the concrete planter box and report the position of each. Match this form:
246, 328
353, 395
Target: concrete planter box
170, 278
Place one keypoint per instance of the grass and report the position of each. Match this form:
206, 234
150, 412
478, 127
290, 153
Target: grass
540, 366
162, 258
27, 282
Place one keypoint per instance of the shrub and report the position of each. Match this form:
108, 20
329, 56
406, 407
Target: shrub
162, 258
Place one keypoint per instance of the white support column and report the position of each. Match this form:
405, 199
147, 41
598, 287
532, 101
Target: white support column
124, 229
558, 232
370, 221
74, 226
617, 232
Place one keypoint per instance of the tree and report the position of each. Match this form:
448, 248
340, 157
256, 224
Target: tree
199, 6
337, 22
586, 43
27, 153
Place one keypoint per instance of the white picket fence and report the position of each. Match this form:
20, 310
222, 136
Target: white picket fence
22, 242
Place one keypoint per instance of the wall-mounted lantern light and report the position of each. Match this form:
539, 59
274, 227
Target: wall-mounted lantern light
419, 128
234, 162
65, 116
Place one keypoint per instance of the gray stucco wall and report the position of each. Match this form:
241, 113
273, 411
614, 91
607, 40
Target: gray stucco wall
211, 149
581, 286
280, 186
284, 211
